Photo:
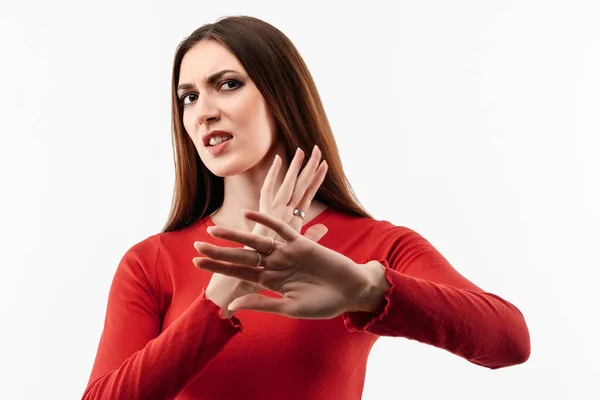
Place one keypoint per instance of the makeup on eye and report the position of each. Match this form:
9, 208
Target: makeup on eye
185, 96
238, 85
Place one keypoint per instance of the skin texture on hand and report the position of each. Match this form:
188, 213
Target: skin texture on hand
371, 299
315, 281
296, 191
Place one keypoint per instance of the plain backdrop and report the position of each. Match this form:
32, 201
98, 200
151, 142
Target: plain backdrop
474, 123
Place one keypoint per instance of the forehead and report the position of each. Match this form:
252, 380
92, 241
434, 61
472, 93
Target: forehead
205, 58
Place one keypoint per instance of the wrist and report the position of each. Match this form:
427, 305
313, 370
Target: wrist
372, 299
220, 302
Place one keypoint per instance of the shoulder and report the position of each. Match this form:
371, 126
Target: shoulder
151, 262
173, 240
141, 258
336, 217
144, 250
387, 237
359, 225
380, 235
150, 249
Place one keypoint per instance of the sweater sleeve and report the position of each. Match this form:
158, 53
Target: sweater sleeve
134, 359
429, 301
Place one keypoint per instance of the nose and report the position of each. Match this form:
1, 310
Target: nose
206, 111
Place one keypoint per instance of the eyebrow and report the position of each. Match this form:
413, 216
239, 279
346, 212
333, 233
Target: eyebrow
210, 80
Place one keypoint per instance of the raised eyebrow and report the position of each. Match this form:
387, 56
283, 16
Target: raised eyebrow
210, 80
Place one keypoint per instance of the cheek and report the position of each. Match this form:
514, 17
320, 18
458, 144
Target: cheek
247, 109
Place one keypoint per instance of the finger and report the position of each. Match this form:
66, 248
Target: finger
316, 232
284, 231
286, 188
227, 254
314, 186
236, 271
255, 241
268, 188
295, 223
305, 178
258, 302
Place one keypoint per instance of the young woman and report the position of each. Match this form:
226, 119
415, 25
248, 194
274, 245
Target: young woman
269, 280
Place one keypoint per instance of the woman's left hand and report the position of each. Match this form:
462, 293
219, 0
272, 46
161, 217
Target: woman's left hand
315, 282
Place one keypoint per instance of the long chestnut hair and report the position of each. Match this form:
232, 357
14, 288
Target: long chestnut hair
280, 74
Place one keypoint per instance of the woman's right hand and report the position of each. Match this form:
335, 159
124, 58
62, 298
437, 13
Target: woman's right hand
296, 191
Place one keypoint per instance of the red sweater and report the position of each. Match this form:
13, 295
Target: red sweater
163, 339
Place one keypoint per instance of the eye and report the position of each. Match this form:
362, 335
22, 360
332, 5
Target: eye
230, 84
189, 96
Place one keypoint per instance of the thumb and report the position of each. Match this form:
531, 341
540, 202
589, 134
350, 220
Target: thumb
316, 232
257, 302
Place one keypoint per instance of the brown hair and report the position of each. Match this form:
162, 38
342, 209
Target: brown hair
278, 71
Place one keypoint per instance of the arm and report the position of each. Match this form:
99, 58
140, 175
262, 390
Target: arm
134, 359
415, 293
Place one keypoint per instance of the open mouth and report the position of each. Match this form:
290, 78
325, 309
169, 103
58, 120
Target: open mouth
215, 141
218, 147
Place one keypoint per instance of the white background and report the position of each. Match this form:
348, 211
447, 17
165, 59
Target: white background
473, 122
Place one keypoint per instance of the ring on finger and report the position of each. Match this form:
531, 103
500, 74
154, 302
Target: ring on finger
260, 259
261, 256
299, 213
272, 246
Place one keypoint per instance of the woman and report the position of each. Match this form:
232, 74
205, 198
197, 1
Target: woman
229, 303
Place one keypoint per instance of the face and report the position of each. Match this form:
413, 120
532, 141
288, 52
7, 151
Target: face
212, 100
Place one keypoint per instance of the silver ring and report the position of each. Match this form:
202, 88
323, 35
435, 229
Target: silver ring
260, 255
299, 213
272, 246
260, 258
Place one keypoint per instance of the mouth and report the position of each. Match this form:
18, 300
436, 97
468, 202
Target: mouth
214, 138
219, 148
216, 141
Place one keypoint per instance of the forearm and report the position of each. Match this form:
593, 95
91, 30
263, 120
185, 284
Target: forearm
165, 364
476, 325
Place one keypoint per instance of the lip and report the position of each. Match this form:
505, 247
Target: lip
211, 134
218, 149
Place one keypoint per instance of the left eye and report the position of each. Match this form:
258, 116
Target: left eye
230, 84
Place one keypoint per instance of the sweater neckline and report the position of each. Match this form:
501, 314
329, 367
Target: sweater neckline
320, 217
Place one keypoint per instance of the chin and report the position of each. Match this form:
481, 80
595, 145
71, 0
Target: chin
226, 169
224, 174
228, 165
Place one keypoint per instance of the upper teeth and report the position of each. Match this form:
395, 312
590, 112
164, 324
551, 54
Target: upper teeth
218, 139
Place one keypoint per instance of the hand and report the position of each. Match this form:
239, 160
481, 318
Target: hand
291, 194
295, 191
315, 282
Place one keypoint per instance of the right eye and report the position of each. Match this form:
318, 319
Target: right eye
188, 99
